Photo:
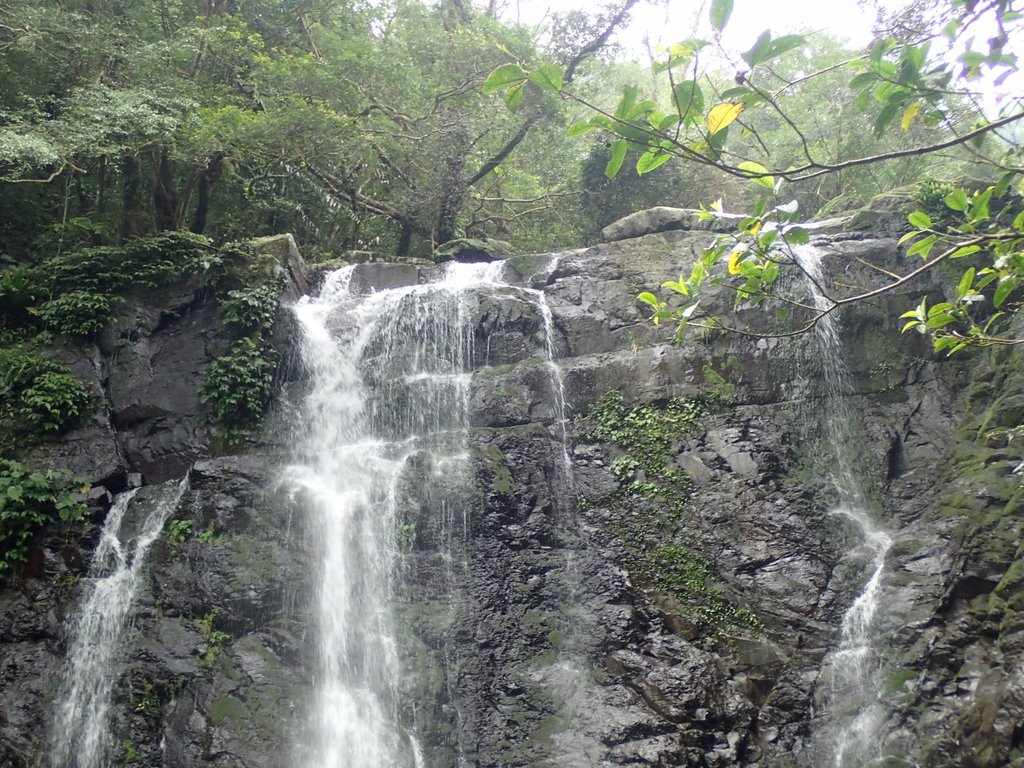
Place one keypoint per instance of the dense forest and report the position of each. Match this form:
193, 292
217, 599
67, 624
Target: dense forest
362, 126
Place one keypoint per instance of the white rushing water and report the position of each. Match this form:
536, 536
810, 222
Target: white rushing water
390, 375
855, 714
81, 731
389, 394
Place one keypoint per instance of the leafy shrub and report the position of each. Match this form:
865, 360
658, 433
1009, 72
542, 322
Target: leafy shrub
179, 530
931, 196
237, 386
148, 262
250, 309
37, 395
54, 400
77, 313
30, 499
84, 282
18, 289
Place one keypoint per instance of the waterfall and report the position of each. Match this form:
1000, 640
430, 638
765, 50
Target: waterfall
856, 712
390, 374
80, 734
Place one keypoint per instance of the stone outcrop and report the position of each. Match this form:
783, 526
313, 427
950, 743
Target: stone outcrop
591, 619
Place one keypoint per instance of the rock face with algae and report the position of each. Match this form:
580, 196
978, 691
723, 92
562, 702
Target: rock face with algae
649, 572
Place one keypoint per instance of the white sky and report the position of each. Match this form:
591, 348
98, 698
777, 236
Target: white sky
665, 22
669, 21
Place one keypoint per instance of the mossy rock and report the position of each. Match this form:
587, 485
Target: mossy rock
468, 250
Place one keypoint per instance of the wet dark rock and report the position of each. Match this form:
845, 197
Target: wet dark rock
535, 631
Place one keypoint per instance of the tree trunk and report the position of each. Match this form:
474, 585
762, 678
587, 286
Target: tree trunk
405, 241
204, 189
133, 212
453, 189
165, 195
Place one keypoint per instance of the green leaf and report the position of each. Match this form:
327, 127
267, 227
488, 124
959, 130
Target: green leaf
626, 103
689, 98
548, 77
967, 250
1003, 291
649, 298
886, 116
579, 128
651, 160
923, 246
768, 182
503, 77
766, 49
966, 282
514, 96
863, 79
759, 49
785, 44
797, 236
956, 200
920, 219
720, 12
618, 148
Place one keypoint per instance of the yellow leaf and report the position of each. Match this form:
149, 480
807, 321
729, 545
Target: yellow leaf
734, 261
909, 114
721, 115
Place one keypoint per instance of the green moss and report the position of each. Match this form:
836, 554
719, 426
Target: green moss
493, 459
898, 680
227, 707
528, 264
653, 492
556, 638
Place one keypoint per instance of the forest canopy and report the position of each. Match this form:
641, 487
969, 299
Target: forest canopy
374, 125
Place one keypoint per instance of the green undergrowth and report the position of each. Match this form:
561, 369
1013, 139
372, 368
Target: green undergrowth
77, 292
652, 495
39, 396
237, 386
31, 498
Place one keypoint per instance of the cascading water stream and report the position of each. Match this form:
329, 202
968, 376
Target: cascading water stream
853, 701
390, 374
80, 735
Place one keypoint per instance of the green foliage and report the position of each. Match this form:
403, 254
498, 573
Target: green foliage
250, 309
178, 531
130, 751
649, 434
930, 197
38, 395
406, 536
237, 386
31, 498
216, 640
781, 147
210, 535
76, 313
147, 262
84, 284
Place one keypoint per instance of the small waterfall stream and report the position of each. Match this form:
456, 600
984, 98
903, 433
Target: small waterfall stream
852, 701
80, 736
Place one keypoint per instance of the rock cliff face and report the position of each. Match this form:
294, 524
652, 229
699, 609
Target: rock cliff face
665, 598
